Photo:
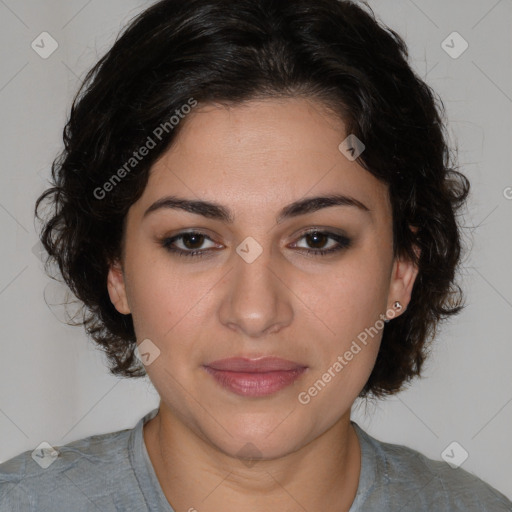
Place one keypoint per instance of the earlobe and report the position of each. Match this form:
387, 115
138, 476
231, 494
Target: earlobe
117, 289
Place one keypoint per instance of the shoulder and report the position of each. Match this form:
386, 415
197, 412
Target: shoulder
418, 483
84, 467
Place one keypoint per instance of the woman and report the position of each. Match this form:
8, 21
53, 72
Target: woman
257, 207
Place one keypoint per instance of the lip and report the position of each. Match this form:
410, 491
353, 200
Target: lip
261, 364
254, 377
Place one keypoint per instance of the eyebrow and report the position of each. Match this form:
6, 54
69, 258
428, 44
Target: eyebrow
212, 210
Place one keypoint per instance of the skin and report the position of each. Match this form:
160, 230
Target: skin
255, 159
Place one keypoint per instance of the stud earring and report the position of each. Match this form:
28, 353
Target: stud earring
396, 306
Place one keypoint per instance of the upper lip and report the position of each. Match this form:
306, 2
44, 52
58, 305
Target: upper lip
264, 364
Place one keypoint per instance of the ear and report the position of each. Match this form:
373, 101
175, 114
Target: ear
403, 277
117, 289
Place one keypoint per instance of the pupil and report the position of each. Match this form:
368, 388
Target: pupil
196, 237
317, 236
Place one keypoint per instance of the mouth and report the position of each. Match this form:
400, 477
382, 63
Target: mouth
254, 377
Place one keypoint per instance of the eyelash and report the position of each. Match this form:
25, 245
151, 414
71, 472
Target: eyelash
342, 241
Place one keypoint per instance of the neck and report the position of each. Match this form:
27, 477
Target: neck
196, 475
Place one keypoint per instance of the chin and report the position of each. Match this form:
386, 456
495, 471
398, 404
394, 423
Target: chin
264, 440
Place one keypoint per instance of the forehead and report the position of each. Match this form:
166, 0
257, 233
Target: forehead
259, 156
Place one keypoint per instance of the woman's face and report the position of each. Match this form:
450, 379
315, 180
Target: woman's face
254, 290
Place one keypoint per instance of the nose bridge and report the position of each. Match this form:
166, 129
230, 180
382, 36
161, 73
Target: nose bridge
255, 301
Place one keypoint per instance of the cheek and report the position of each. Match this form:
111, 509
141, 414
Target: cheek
350, 309
166, 303
354, 295
152, 294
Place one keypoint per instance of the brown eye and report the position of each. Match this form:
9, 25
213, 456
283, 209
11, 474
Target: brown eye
188, 244
316, 242
193, 240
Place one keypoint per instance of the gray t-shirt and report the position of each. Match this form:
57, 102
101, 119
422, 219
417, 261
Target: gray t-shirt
113, 473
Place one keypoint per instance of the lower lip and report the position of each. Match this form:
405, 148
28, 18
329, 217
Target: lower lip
255, 384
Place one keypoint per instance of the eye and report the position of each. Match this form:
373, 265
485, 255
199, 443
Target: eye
319, 240
191, 243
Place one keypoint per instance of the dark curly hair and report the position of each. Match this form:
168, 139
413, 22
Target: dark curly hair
227, 53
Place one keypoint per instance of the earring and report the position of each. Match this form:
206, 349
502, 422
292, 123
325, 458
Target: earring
396, 306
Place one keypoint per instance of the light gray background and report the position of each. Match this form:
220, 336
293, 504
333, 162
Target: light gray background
53, 382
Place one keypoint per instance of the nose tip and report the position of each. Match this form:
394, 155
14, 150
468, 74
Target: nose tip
253, 327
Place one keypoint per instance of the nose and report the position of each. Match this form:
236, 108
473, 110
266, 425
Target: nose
256, 300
